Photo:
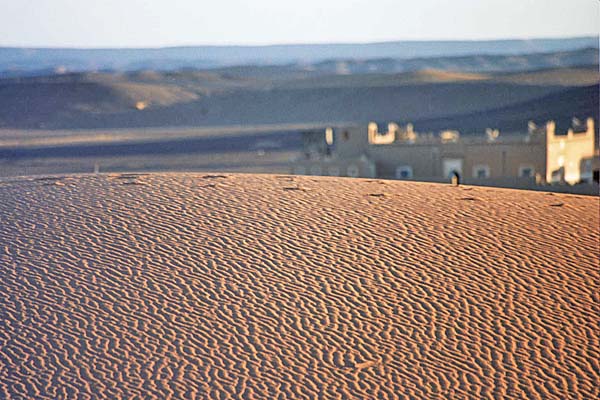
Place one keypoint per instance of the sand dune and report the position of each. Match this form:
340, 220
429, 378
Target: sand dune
274, 287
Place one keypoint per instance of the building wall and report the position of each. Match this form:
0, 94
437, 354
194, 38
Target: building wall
355, 168
350, 142
508, 159
519, 160
423, 159
505, 159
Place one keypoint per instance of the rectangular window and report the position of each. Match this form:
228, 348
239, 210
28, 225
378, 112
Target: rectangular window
526, 171
353, 171
481, 171
334, 171
404, 172
452, 166
316, 170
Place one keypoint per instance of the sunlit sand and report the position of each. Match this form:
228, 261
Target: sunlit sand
266, 287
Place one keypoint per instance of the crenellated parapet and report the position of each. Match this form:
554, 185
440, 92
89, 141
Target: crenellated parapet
394, 134
375, 137
577, 130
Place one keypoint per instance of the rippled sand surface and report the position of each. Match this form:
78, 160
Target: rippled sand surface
275, 287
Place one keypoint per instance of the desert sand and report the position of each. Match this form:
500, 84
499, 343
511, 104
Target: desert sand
274, 287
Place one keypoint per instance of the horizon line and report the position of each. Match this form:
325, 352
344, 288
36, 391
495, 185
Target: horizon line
283, 44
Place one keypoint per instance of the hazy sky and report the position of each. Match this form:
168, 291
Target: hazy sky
149, 23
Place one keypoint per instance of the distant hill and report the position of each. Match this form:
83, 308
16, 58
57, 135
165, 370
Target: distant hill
24, 61
96, 104
345, 72
575, 76
568, 76
467, 63
580, 102
437, 99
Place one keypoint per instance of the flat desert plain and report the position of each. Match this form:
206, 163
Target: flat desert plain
275, 287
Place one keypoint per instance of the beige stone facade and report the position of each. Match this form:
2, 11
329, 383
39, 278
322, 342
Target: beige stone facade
533, 157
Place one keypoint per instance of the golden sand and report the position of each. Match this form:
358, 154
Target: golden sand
267, 287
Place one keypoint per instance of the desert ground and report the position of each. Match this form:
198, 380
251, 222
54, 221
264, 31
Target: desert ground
272, 287
263, 148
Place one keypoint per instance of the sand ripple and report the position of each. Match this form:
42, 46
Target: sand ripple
241, 286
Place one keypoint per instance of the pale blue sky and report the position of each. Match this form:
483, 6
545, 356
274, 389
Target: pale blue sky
152, 23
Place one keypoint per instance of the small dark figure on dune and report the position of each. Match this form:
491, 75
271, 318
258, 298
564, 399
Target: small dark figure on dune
455, 178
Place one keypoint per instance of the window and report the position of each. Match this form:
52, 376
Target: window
404, 172
334, 171
315, 170
481, 171
526, 171
353, 171
451, 166
300, 170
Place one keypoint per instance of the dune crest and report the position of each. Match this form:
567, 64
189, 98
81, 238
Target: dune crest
236, 286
